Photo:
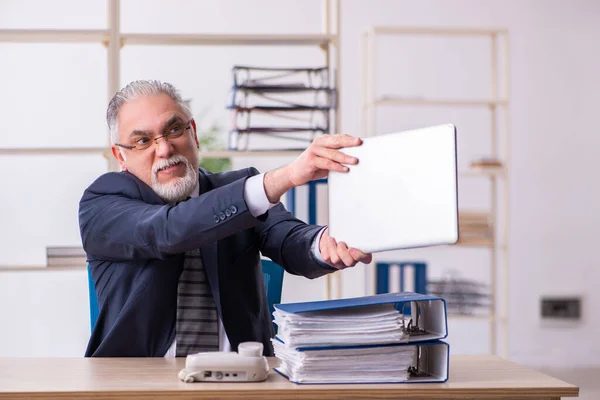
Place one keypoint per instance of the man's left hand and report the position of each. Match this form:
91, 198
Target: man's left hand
338, 255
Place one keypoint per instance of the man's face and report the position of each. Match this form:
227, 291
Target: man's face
169, 167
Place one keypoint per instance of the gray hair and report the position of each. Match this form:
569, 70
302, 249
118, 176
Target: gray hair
134, 90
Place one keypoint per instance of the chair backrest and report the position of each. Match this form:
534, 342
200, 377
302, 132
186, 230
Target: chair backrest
272, 274
93, 299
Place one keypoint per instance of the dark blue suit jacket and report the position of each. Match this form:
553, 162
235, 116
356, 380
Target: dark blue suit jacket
135, 244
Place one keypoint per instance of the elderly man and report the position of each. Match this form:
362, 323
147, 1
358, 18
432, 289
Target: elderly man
174, 250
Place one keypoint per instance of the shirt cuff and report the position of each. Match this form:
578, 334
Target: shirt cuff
316, 250
255, 195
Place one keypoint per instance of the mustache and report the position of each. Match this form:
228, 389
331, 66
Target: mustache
169, 162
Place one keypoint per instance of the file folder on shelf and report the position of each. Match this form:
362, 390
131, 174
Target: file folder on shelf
282, 99
381, 319
252, 76
425, 362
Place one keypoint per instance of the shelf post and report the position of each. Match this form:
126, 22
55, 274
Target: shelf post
506, 208
114, 61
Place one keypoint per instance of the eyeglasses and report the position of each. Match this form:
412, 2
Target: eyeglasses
142, 141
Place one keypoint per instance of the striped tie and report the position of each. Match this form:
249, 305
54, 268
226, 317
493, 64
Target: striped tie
197, 327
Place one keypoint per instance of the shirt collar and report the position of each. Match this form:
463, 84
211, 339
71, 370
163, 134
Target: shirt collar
196, 191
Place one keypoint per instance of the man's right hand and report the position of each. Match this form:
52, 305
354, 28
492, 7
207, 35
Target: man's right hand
315, 162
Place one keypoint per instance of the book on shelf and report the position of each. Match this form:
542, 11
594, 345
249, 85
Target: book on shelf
255, 76
66, 261
474, 227
487, 165
65, 251
277, 100
393, 337
474, 217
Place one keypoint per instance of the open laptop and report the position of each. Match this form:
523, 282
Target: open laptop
401, 194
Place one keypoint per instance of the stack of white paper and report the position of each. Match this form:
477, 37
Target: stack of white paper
378, 324
376, 364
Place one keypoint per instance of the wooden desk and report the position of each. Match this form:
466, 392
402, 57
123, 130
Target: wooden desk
481, 377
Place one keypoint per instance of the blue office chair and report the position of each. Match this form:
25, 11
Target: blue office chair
93, 299
383, 276
272, 274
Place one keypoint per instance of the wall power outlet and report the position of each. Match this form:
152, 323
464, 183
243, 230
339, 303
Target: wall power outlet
561, 308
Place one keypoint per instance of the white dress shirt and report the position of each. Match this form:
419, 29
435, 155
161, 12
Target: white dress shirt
258, 204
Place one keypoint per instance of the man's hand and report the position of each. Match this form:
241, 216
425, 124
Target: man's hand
338, 255
315, 162
321, 157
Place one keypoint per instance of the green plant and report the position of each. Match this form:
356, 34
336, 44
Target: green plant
209, 139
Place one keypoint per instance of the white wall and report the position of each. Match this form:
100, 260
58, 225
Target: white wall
554, 59
44, 314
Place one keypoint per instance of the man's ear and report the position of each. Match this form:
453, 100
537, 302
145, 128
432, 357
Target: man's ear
116, 151
194, 134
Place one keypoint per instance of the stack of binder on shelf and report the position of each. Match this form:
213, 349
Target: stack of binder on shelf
65, 256
463, 296
387, 338
475, 225
290, 106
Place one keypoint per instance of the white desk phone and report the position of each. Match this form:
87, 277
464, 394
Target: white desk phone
247, 365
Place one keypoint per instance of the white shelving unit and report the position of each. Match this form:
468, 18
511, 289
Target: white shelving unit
114, 40
496, 242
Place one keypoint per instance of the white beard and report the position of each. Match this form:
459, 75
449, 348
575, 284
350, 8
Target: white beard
180, 188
